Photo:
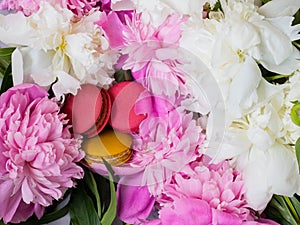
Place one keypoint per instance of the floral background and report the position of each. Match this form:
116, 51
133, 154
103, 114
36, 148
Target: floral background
221, 96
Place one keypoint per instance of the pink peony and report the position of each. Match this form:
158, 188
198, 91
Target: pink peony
135, 203
26, 6
78, 7
81, 7
203, 193
165, 144
152, 52
192, 211
219, 185
38, 154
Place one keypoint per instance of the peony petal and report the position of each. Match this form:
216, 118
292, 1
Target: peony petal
276, 46
15, 30
288, 66
134, 202
188, 212
223, 218
27, 194
17, 67
277, 8
283, 179
65, 84
243, 86
113, 29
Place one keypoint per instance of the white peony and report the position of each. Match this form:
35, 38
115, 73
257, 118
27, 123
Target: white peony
58, 48
233, 41
260, 145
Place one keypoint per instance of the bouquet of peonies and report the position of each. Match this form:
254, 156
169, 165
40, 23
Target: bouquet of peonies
150, 112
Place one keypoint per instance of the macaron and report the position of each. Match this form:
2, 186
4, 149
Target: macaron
89, 110
113, 146
124, 96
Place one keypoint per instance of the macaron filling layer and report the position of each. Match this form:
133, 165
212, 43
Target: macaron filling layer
103, 117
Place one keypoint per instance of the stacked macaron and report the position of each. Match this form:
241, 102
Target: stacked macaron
91, 109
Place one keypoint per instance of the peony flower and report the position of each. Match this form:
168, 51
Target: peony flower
25, 6
58, 47
231, 43
152, 51
261, 145
81, 7
203, 193
38, 154
219, 186
164, 145
78, 7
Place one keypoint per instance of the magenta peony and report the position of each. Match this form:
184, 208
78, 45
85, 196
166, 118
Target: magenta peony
38, 154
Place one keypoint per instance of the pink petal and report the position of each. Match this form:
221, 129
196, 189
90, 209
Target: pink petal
134, 202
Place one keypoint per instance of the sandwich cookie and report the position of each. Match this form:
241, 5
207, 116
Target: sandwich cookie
113, 146
89, 110
124, 96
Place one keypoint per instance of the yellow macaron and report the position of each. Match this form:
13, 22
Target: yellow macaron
113, 146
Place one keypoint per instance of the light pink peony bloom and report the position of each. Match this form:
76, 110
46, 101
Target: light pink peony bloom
38, 154
165, 144
26, 6
78, 7
152, 52
81, 7
191, 211
218, 185
208, 194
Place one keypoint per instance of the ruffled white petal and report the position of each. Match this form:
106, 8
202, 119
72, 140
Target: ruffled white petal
276, 8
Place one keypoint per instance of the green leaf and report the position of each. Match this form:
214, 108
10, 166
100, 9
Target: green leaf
91, 183
265, 1
279, 211
5, 59
295, 113
296, 205
82, 210
6, 52
217, 6
297, 150
111, 212
277, 77
123, 75
7, 81
292, 209
296, 18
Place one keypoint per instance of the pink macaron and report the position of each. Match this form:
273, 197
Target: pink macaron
89, 110
124, 96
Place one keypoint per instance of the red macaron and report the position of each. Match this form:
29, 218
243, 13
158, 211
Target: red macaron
124, 96
89, 110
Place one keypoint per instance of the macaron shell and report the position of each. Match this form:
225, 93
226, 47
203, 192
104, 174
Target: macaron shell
86, 108
103, 117
111, 145
124, 96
